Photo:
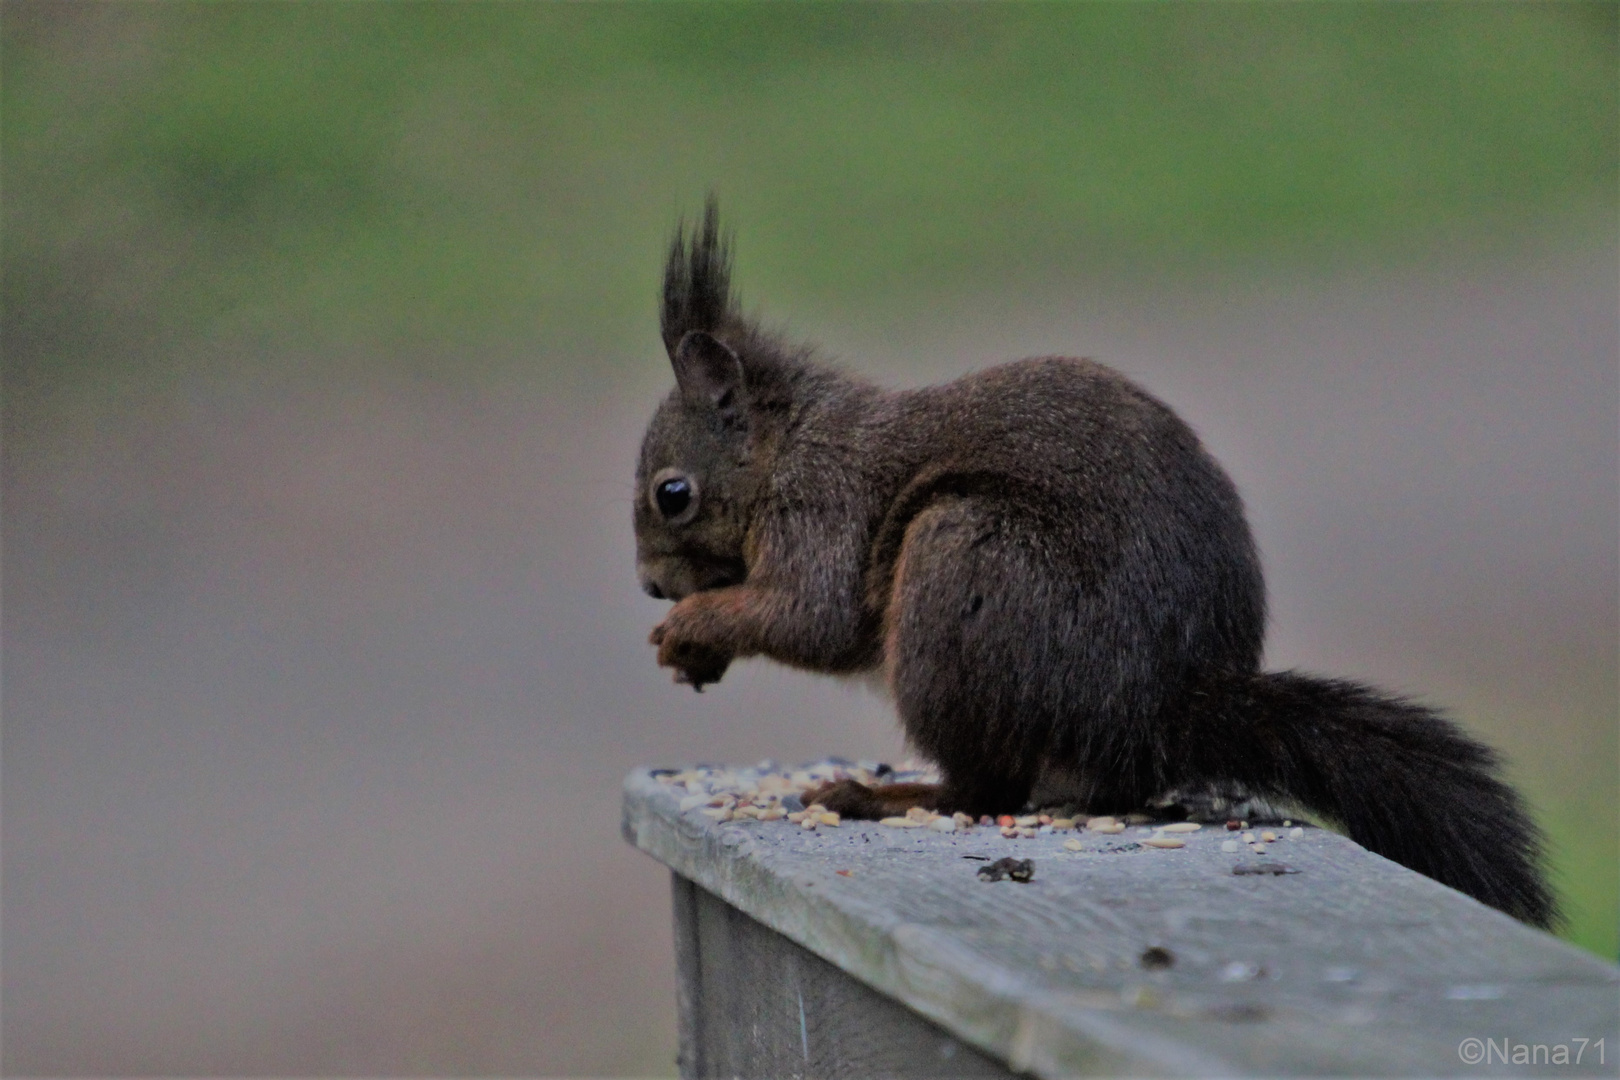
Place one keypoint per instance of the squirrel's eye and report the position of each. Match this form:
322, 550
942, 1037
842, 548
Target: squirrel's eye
673, 496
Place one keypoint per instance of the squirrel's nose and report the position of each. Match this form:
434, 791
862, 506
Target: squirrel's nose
650, 587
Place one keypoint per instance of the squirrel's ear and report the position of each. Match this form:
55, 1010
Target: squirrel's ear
710, 374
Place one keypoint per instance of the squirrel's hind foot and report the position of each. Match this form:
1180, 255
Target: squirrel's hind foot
853, 799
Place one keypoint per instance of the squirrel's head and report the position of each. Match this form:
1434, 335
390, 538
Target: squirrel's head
697, 478
693, 484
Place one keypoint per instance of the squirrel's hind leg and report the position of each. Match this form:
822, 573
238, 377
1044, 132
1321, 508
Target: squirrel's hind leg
962, 652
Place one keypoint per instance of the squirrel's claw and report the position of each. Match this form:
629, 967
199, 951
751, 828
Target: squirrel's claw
686, 678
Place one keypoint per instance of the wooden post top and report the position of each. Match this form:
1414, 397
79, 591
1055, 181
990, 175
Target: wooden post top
1129, 958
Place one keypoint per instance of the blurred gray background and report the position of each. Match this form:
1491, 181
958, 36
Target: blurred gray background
329, 333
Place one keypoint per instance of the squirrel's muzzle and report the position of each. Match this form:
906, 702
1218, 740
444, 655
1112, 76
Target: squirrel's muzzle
675, 578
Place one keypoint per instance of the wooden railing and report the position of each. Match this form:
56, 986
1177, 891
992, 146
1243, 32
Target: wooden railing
866, 950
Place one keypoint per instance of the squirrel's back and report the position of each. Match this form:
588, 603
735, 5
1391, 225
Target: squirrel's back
1125, 521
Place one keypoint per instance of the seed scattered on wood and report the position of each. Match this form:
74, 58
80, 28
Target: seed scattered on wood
775, 813
1296, 833
1268, 836
1233, 825
943, 824
964, 820
1183, 826
846, 873
1010, 832
1258, 849
1063, 824
900, 823
1164, 842
1229, 845
809, 824
829, 817
918, 814
719, 813
1027, 820
1006, 821
1073, 845
1156, 958
1248, 838
1027, 832
1286, 823
1044, 819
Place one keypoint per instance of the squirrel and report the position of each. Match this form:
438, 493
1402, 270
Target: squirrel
1054, 579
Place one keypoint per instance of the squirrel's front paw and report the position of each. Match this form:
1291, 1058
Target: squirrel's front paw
695, 665
699, 666
694, 640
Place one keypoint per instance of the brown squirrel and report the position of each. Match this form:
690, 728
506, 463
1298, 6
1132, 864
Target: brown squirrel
1054, 578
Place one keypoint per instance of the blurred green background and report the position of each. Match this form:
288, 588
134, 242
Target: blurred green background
255, 221
420, 180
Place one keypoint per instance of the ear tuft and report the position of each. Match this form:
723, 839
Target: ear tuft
709, 373
697, 280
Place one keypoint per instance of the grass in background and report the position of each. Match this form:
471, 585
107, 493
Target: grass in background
439, 190
408, 177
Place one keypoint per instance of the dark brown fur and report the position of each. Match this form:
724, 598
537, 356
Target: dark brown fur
1053, 576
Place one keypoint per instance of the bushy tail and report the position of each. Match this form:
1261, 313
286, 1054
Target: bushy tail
1400, 779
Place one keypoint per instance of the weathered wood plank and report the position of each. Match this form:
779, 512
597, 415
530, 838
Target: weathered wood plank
1353, 965
755, 1004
